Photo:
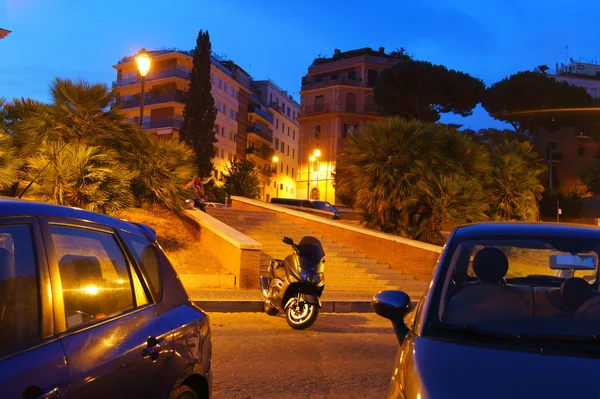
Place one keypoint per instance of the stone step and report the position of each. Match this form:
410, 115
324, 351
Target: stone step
411, 291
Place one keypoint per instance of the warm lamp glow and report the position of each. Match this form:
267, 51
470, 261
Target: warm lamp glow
143, 62
317, 153
90, 289
312, 158
275, 159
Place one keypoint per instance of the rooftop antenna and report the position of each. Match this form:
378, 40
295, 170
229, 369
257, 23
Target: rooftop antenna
567, 55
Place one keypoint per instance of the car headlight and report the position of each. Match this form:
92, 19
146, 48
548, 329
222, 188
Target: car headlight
304, 275
317, 278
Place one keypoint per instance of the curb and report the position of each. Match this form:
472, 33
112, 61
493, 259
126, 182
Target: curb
254, 306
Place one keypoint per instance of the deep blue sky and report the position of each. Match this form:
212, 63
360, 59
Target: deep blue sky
489, 39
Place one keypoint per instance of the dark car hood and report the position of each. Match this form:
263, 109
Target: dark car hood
436, 369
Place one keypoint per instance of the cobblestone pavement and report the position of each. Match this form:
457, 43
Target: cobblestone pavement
341, 356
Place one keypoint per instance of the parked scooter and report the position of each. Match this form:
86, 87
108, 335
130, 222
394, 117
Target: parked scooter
294, 285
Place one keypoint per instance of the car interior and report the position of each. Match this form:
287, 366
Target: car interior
479, 292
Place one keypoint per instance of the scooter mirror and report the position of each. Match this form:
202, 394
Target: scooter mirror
288, 240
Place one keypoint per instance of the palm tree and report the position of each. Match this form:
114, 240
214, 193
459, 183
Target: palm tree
409, 177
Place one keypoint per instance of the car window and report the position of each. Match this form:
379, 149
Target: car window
144, 253
19, 322
95, 275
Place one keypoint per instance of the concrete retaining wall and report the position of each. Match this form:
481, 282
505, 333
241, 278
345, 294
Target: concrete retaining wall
412, 257
239, 254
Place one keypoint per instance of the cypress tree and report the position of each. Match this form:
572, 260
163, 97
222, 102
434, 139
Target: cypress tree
200, 113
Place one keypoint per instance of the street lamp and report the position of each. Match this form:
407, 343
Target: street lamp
312, 159
143, 63
275, 160
315, 157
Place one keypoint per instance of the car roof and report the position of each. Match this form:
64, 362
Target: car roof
18, 207
527, 229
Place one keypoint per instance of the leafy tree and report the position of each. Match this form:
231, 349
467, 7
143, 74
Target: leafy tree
590, 176
421, 90
527, 101
200, 113
512, 184
492, 138
241, 179
409, 176
82, 176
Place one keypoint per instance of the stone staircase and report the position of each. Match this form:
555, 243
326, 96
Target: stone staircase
345, 269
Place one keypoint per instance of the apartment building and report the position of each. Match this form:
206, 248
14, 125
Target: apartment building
336, 98
165, 88
281, 112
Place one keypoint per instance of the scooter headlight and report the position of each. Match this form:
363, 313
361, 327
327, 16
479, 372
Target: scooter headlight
317, 278
304, 275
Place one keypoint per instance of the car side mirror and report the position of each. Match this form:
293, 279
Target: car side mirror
393, 305
288, 241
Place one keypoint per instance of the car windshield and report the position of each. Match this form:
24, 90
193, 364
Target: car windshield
324, 206
521, 287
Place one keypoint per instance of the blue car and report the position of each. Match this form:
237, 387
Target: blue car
90, 307
513, 311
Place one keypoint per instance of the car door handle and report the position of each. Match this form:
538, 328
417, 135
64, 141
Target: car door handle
48, 393
153, 348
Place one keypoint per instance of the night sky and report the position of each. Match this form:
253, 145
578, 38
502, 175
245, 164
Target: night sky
279, 39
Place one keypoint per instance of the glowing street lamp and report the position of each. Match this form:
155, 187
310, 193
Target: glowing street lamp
317, 153
143, 64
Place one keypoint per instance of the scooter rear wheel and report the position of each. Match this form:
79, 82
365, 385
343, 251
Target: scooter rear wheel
302, 316
270, 310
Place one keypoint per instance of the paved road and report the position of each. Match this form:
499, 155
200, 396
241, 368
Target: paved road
346, 356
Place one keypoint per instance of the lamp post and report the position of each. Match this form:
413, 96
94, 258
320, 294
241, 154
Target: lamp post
275, 160
143, 63
316, 156
312, 159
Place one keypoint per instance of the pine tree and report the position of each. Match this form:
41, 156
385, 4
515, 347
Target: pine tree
200, 113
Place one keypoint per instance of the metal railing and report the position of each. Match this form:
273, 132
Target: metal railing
262, 130
178, 96
179, 72
174, 123
311, 84
262, 151
263, 114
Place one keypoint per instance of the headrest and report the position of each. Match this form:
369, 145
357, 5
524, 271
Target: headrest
575, 291
490, 265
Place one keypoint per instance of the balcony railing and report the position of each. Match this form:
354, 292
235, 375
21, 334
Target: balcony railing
174, 123
319, 84
261, 113
278, 107
180, 72
262, 130
178, 96
312, 109
262, 151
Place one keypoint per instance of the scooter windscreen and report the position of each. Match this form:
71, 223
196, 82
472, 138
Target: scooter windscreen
311, 254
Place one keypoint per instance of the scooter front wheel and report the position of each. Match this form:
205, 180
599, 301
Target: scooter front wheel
301, 315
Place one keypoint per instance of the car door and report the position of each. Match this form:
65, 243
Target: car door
115, 343
32, 361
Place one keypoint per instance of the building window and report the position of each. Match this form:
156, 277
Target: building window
288, 151
293, 153
225, 87
293, 135
294, 118
372, 77
222, 153
217, 129
319, 104
282, 147
317, 132
218, 105
219, 83
222, 131
282, 127
348, 130
271, 98
276, 123
288, 112
276, 143
231, 113
288, 131
230, 157
352, 75
581, 150
293, 173
224, 109
232, 92
282, 172
287, 170
292, 191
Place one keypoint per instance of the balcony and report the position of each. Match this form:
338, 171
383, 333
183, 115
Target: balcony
174, 123
180, 72
261, 130
329, 81
312, 109
264, 152
178, 96
261, 113
278, 107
